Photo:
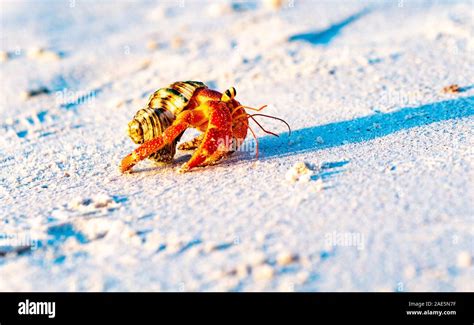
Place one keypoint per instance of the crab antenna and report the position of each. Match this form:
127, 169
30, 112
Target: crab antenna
275, 118
256, 142
255, 109
247, 107
253, 118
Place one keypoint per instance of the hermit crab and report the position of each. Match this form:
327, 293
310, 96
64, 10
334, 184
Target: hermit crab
222, 120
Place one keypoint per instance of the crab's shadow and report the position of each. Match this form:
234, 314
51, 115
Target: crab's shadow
325, 36
345, 132
361, 129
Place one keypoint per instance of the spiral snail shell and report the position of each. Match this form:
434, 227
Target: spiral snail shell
163, 106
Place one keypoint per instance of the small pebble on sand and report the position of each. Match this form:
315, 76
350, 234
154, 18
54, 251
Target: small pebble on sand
96, 204
50, 55
4, 56
219, 8
260, 236
255, 258
102, 200
43, 54
144, 64
464, 259
177, 42
27, 94
152, 44
242, 271
34, 52
79, 202
286, 286
286, 258
93, 228
302, 276
273, 4
451, 89
117, 102
300, 171
263, 272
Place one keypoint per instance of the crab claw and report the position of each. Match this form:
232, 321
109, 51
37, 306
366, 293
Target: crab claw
151, 146
128, 162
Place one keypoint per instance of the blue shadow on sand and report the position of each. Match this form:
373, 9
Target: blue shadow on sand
364, 128
325, 36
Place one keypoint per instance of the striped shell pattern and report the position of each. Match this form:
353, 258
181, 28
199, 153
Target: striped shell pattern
163, 107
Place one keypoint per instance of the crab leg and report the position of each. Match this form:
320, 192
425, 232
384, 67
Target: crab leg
149, 147
217, 139
192, 144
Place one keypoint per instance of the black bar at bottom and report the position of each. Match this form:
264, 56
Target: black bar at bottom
444, 307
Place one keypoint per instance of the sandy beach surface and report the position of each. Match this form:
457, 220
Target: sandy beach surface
372, 191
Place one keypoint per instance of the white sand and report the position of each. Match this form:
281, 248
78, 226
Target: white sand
388, 205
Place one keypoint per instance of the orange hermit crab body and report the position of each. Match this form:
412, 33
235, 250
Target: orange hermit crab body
223, 121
